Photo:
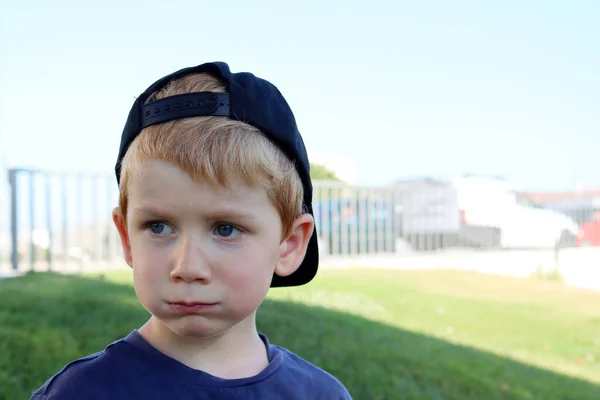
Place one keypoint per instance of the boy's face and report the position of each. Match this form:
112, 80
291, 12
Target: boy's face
203, 257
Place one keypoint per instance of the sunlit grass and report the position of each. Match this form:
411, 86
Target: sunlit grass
385, 334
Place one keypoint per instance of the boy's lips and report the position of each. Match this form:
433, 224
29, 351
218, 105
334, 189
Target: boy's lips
190, 306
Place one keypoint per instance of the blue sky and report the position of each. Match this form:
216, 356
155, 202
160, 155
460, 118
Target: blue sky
404, 89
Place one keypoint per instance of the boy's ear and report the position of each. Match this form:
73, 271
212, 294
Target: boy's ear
121, 225
293, 249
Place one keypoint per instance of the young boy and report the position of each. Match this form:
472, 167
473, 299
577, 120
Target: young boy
215, 207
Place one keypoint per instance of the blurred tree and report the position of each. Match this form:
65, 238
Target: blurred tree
320, 172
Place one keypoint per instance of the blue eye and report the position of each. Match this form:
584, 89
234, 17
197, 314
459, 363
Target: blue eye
159, 228
226, 230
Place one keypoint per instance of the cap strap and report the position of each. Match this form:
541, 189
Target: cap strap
183, 106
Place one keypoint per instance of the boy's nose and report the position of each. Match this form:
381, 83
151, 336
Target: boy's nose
190, 262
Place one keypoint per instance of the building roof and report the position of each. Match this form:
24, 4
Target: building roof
541, 197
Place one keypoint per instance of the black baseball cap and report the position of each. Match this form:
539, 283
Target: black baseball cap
249, 99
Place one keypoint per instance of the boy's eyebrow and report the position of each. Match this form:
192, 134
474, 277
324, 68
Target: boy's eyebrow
212, 214
147, 211
230, 213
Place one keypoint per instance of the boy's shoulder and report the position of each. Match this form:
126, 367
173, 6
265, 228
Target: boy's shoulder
309, 379
89, 377
130, 368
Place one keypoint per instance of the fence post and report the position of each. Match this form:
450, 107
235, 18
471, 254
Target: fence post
12, 182
32, 247
49, 221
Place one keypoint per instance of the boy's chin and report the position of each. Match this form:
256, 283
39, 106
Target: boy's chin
196, 327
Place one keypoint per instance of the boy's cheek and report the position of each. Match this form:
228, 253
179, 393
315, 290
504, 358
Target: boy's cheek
148, 260
245, 293
250, 274
142, 248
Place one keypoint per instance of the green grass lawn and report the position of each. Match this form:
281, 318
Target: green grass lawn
384, 334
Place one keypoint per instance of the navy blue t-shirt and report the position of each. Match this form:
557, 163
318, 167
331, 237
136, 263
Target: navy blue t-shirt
130, 368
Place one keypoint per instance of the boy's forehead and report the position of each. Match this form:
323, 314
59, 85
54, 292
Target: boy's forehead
158, 179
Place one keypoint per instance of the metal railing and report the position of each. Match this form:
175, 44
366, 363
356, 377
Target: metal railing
63, 219
60, 218
354, 220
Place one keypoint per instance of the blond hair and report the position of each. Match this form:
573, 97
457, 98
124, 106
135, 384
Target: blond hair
216, 150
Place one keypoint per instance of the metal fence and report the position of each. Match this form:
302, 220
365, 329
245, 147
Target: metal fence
355, 220
63, 219
54, 219
58, 219
4, 217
